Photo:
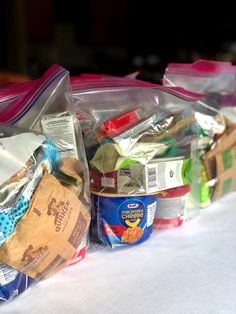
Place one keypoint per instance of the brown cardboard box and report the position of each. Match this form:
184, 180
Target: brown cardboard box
225, 142
220, 163
226, 172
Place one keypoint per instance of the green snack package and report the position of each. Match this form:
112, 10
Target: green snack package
110, 157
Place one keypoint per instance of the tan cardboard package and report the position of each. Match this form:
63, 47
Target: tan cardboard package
227, 141
226, 173
220, 163
49, 233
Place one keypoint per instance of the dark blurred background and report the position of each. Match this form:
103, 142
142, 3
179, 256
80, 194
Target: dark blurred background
113, 37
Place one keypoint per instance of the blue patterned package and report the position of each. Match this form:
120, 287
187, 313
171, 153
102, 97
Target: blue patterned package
12, 282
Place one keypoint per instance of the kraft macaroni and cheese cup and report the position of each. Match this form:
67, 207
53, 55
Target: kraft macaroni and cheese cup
171, 207
121, 220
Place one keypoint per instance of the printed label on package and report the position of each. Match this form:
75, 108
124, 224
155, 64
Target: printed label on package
7, 274
151, 210
61, 130
171, 207
163, 175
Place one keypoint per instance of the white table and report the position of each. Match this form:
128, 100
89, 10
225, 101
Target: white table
189, 270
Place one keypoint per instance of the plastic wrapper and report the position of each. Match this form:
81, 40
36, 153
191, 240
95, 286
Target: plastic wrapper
42, 219
139, 139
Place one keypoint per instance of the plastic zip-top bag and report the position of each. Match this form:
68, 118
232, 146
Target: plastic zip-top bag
217, 80
214, 78
46, 105
202, 76
42, 219
139, 139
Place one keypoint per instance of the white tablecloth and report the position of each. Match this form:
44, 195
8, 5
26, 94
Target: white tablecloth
189, 270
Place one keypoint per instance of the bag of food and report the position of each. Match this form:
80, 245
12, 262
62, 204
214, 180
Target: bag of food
217, 81
139, 140
46, 105
42, 219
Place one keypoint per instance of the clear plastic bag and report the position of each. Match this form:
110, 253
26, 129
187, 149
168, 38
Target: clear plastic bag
46, 105
36, 97
214, 78
203, 76
42, 219
140, 143
217, 80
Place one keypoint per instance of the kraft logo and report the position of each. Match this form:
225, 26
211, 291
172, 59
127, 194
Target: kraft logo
132, 205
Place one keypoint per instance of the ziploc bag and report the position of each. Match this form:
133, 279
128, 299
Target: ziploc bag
42, 221
202, 76
214, 78
139, 139
217, 80
45, 105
